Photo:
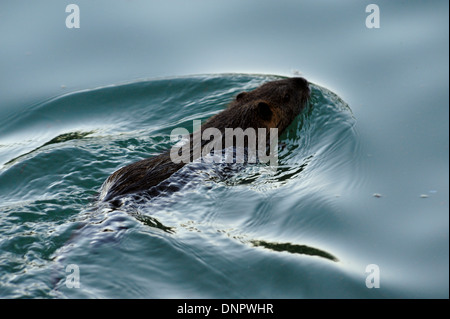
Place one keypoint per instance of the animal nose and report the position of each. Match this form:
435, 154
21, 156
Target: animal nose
300, 82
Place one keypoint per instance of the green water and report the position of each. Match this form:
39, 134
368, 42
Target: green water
362, 176
198, 242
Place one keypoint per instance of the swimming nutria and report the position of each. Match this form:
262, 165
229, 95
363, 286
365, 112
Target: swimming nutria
272, 105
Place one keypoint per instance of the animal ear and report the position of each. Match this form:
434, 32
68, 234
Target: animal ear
264, 111
241, 95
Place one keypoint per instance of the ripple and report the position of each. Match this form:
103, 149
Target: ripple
220, 219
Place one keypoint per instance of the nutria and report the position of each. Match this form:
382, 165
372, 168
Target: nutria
274, 104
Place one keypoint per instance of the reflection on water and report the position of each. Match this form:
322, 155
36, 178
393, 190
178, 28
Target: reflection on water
294, 249
59, 139
226, 224
152, 222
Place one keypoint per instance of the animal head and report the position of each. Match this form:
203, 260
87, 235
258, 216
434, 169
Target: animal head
272, 105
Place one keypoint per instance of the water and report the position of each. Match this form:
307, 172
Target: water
362, 176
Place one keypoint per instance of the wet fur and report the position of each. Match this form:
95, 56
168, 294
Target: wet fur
272, 105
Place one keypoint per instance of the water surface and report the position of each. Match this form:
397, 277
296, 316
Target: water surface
75, 105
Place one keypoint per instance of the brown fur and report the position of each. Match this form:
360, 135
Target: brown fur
273, 105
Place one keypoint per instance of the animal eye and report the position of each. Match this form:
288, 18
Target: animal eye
286, 97
241, 95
